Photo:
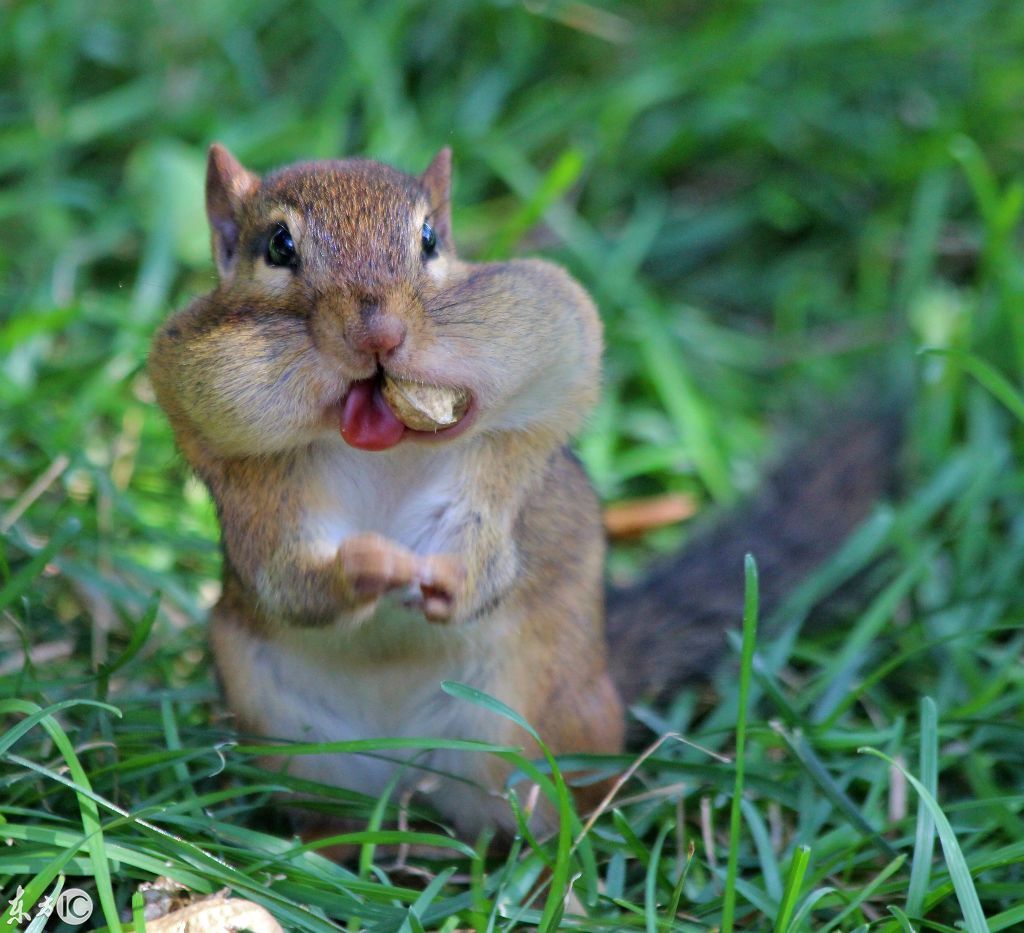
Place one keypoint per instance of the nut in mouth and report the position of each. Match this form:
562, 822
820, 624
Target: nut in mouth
424, 407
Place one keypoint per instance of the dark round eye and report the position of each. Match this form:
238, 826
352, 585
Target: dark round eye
429, 239
281, 247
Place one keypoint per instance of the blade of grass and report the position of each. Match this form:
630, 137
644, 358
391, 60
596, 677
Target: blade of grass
878, 615
677, 890
924, 834
819, 774
963, 883
554, 183
928, 214
865, 892
40, 715
26, 576
367, 850
139, 912
808, 905
1012, 919
651, 881
750, 606
791, 892
94, 841
172, 739
684, 404
139, 636
988, 376
553, 906
901, 919
765, 855
429, 895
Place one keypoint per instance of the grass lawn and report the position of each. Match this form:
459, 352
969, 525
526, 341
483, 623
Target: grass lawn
778, 206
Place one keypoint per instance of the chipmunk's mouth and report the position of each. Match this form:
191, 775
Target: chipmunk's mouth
380, 412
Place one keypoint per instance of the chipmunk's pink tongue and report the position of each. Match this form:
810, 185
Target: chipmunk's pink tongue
366, 420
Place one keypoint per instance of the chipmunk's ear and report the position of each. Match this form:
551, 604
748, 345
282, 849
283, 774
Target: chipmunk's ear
437, 180
228, 184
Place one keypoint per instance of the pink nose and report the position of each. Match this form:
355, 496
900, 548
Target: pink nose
378, 333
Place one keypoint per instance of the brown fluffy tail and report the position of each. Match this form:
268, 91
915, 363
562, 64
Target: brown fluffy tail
669, 628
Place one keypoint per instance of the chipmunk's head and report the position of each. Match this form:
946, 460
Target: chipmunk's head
342, 305
360, 235
328, 273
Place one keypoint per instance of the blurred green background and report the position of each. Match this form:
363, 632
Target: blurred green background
776, 205
758, 194
765, 199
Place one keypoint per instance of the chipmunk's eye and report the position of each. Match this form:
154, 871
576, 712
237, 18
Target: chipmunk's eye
281, 248
429, 239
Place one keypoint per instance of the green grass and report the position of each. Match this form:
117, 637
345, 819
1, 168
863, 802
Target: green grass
772, 203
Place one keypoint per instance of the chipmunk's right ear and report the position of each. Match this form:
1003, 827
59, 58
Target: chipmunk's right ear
437, 181
228, 184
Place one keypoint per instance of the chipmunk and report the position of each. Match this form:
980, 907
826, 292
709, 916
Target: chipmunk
366, 561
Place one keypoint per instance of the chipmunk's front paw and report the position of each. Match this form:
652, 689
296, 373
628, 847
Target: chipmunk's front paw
372, 565
441, 578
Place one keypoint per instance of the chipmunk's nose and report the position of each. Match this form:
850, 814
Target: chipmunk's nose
376, 331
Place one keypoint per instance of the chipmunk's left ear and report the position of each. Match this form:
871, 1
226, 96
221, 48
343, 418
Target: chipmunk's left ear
437, 181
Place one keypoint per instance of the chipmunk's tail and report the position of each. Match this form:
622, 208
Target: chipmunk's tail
669, 628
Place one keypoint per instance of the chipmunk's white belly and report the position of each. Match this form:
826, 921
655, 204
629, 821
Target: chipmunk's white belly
317, 685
